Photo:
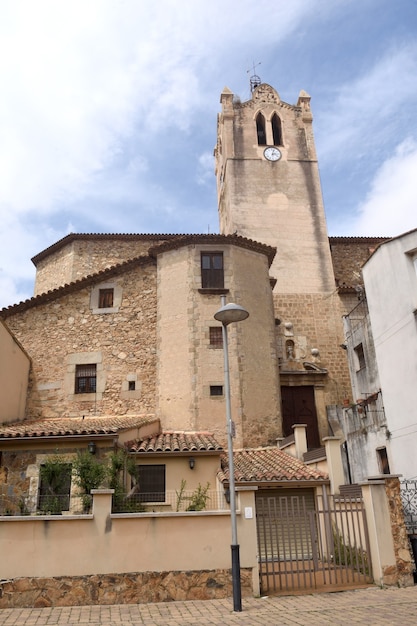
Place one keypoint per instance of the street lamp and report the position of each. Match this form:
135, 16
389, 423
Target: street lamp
228, 314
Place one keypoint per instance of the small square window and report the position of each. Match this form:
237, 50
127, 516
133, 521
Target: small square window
216, 390
105, 298
216, 336
132, 385
85, 378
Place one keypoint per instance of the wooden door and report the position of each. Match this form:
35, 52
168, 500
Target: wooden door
298, 407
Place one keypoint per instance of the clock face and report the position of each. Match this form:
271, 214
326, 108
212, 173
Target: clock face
272, 154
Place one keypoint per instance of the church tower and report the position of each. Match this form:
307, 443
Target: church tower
269, 190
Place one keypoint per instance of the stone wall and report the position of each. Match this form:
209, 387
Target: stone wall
313, 323
132, 588
402, 573
82, 255
122, 343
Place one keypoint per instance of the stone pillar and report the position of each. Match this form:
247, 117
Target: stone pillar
391, 560
300, 438
102, 501
403, 557
334, 463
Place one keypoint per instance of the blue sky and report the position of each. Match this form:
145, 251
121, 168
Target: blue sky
108, 113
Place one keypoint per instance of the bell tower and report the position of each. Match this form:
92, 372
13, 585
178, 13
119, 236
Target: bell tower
269, 190
268, 185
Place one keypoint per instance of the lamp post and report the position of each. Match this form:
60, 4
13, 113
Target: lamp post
228, 314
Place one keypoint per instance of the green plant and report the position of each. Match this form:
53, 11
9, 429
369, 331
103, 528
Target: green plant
345, 554
124, 502
90, 473
198, 499
22, 507
180, 494
55, 477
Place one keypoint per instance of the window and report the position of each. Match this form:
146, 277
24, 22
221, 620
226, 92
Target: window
383, 460
212, 276
216, 336
260, 129
360, 357
85, 378
151, 483
132, 385
216, 390
54, 486
276, 130
105, 298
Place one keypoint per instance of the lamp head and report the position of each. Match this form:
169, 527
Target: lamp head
231, 313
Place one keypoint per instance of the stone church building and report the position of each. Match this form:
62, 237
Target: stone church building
124, 325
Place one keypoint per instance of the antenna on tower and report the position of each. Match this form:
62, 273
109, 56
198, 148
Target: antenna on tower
254, 80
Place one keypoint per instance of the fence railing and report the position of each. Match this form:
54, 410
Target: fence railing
409, 499
171, 500
50, 504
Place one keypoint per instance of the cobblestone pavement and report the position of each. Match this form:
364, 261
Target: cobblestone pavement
372, 606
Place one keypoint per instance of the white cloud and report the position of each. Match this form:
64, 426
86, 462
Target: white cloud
391, 204
365, 114
205, 173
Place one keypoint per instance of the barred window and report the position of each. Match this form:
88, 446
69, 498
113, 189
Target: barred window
216, 390
216, 336
85, 378
212, 276
105, 298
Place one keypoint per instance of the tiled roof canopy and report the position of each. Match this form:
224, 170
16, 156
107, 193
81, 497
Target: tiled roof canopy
267, 465
72, 426
176, 442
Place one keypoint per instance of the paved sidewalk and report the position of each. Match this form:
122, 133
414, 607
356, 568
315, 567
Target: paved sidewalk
372, 606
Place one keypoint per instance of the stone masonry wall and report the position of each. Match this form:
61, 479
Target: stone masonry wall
402, 573
122, 343
315, 325
82, 257
132, 588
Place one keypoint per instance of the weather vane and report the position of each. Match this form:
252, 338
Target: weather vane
255, 81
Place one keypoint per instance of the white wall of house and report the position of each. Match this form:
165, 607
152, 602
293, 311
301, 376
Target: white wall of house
390, 278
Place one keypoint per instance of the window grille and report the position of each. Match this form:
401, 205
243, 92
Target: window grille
216, 390
151, 483
216, 336
85, 378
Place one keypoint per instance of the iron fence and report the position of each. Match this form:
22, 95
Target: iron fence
171, 500
45, 505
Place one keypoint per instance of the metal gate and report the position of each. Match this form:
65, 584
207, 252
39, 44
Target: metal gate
308, 541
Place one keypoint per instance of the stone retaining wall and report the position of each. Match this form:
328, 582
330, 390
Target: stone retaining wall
131, 588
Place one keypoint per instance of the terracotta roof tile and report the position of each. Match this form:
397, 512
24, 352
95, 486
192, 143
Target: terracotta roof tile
53, 294
72, 426
267, 465
172, 441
